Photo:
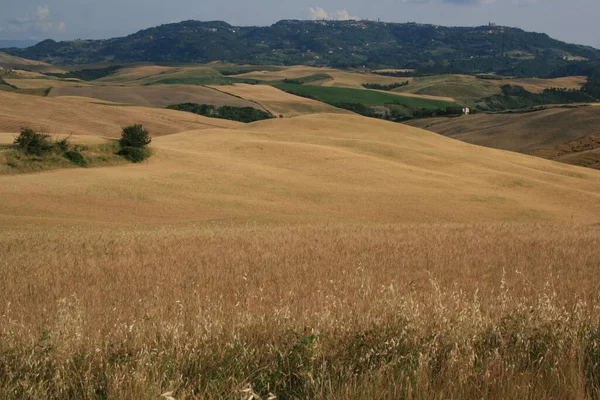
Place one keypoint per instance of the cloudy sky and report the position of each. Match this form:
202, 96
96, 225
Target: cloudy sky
572, 21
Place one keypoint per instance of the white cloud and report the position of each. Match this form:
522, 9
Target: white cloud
320, 13
37, 22
317, 13
43, 12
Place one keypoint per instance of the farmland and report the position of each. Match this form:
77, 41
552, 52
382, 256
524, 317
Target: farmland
317, 255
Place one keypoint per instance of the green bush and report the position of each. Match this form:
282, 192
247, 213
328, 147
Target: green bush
134, 136
134, 154
63, 145
76, 158
33, 143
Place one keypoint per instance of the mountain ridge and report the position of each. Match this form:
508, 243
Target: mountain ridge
340, 44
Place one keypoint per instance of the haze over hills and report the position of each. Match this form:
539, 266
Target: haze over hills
21, 44
372, 44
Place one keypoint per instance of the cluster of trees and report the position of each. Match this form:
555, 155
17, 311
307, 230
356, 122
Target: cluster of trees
308, 79
133, 145
516, 97
592, 86
88, 74
389, 87
240, 114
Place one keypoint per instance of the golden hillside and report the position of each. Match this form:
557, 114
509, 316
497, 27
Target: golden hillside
78, 115
284, 253
154, 95
13, 62
519, 131
317, 168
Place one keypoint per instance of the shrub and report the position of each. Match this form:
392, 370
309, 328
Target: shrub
34, 143
76, 158
134, 154
63, 145
134, 136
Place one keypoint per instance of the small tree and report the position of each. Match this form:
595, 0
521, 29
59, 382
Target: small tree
33, 143
134, 136
134, 141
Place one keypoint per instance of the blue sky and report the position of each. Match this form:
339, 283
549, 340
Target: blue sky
572, 21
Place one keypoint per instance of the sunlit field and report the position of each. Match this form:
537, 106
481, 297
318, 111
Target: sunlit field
326, 256
376, 311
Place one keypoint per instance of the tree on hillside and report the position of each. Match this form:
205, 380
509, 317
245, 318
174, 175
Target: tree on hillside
135, 136
134, 141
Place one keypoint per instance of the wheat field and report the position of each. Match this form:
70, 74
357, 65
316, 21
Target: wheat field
154, 95
43, 83
86, 116
326, 256
339, 78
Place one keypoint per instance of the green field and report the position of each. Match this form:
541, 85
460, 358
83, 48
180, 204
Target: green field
336, 95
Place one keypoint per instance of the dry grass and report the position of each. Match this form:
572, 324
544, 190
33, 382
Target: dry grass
319, 257
519, 131
339, 312
319, 168
81, 116
155, 95
340, 78
279, 102
12, 62
139, 75
24, 83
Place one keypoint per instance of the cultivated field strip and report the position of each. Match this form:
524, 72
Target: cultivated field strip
155, 95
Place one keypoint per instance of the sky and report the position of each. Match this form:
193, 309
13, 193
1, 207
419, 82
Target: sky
573, 21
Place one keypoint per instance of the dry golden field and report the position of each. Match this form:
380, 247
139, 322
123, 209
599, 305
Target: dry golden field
334, 311
339, 78
325, 256
85, 116
13, 62
519, 131
37, 83
143, 74
154, 95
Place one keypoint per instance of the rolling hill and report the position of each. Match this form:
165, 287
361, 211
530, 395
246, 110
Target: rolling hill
284, 253
155, 95
565, 134
85, 116
327, 43
12, 62
521, 132
314, 168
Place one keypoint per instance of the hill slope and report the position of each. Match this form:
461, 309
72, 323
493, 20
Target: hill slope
327, 43
523, 132
79, 115
12, 62
155, 95
311, 169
